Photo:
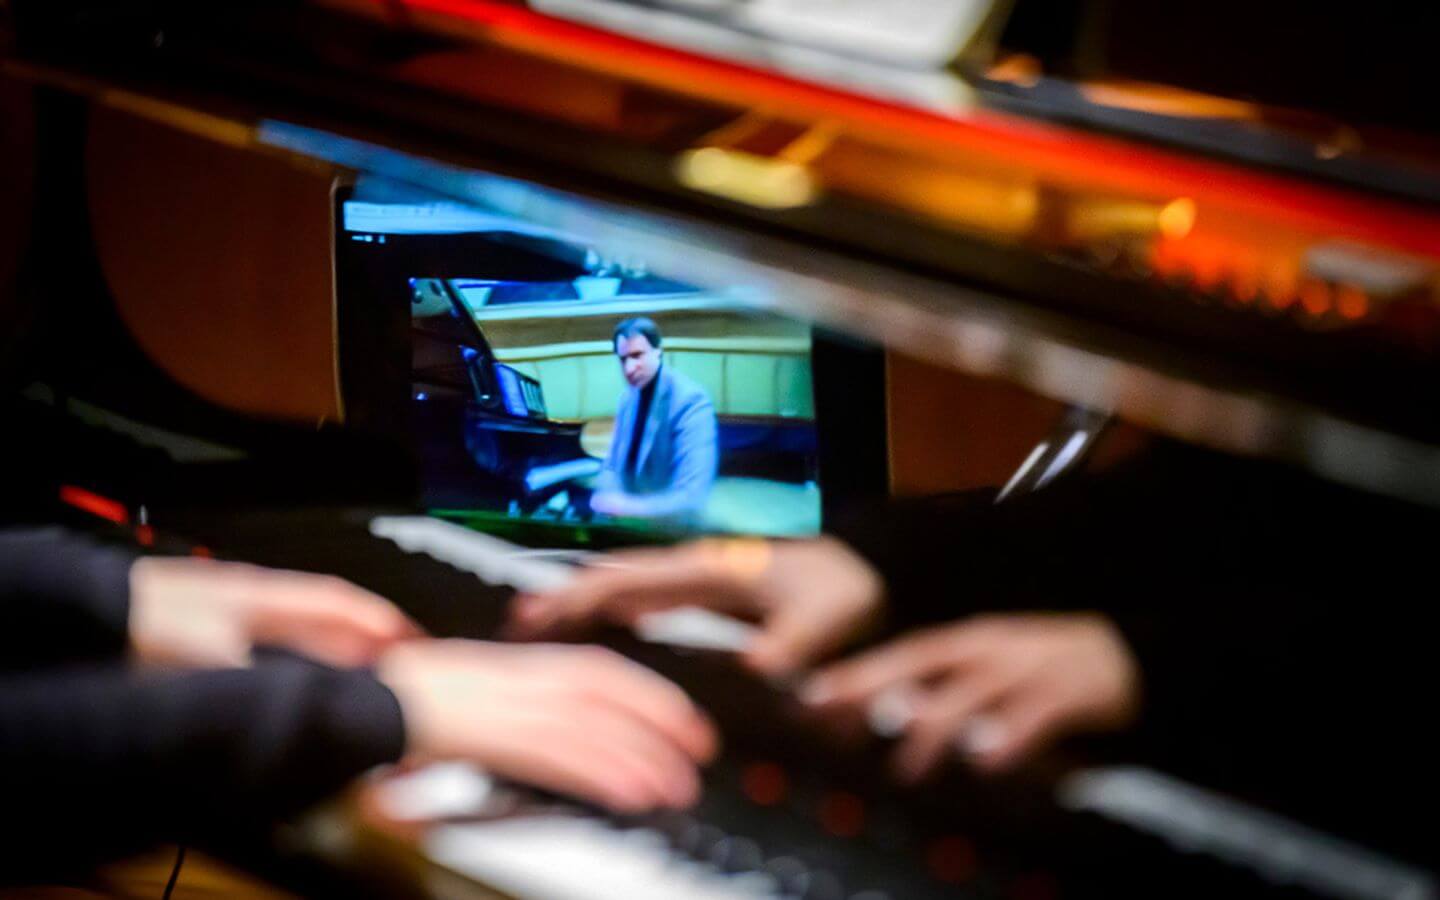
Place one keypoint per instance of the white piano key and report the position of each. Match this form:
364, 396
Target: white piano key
1198, 820
494, 560
498, 561
440, 791
565, 857
697, 629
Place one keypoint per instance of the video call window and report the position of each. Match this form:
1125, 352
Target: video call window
551, 383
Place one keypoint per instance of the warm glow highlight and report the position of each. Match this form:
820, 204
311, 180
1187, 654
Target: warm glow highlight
1017, 68
1177, 218
764, 784
1315, 298
1351, 302
1244, 287
749, 179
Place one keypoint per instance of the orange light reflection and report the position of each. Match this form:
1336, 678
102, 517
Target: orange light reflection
764, 784
842, 814
1351, 302
1315, 298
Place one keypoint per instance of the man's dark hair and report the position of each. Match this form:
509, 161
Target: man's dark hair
634, 327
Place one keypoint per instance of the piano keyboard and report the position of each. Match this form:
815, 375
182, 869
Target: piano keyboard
454, 581
494, 560
539, 849
491, 559
507, 839
841, 832
579, 858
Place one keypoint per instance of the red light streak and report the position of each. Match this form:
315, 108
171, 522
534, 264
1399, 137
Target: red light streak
94, 504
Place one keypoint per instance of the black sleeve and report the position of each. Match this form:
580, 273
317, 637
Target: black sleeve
62, 597
100, 761
946, 557
1122, 538
1316, 704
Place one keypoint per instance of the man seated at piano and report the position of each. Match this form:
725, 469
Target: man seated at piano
147, 699
1176, 600
664, 454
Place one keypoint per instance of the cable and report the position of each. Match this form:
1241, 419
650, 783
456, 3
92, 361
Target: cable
174, 873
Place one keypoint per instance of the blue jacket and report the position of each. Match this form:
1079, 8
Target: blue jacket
679, 450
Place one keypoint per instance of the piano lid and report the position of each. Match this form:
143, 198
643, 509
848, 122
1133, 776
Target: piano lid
1289, 310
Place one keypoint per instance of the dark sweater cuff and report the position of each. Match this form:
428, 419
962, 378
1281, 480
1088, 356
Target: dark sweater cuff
1199, 691
67, 586
366, 718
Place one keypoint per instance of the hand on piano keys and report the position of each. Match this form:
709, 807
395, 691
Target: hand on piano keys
188, 611
577, 720
810, 597
996, 689
993, 690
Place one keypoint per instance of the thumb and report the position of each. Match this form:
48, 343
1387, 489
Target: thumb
788, 641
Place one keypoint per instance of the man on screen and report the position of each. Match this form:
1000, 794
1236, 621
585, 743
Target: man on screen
662, 460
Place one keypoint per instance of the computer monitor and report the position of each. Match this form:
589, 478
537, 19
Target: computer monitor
549, 386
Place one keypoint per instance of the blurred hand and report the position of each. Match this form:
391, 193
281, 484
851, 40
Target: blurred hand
578, 720
810, 597
201, 612
611, 503
995, 688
